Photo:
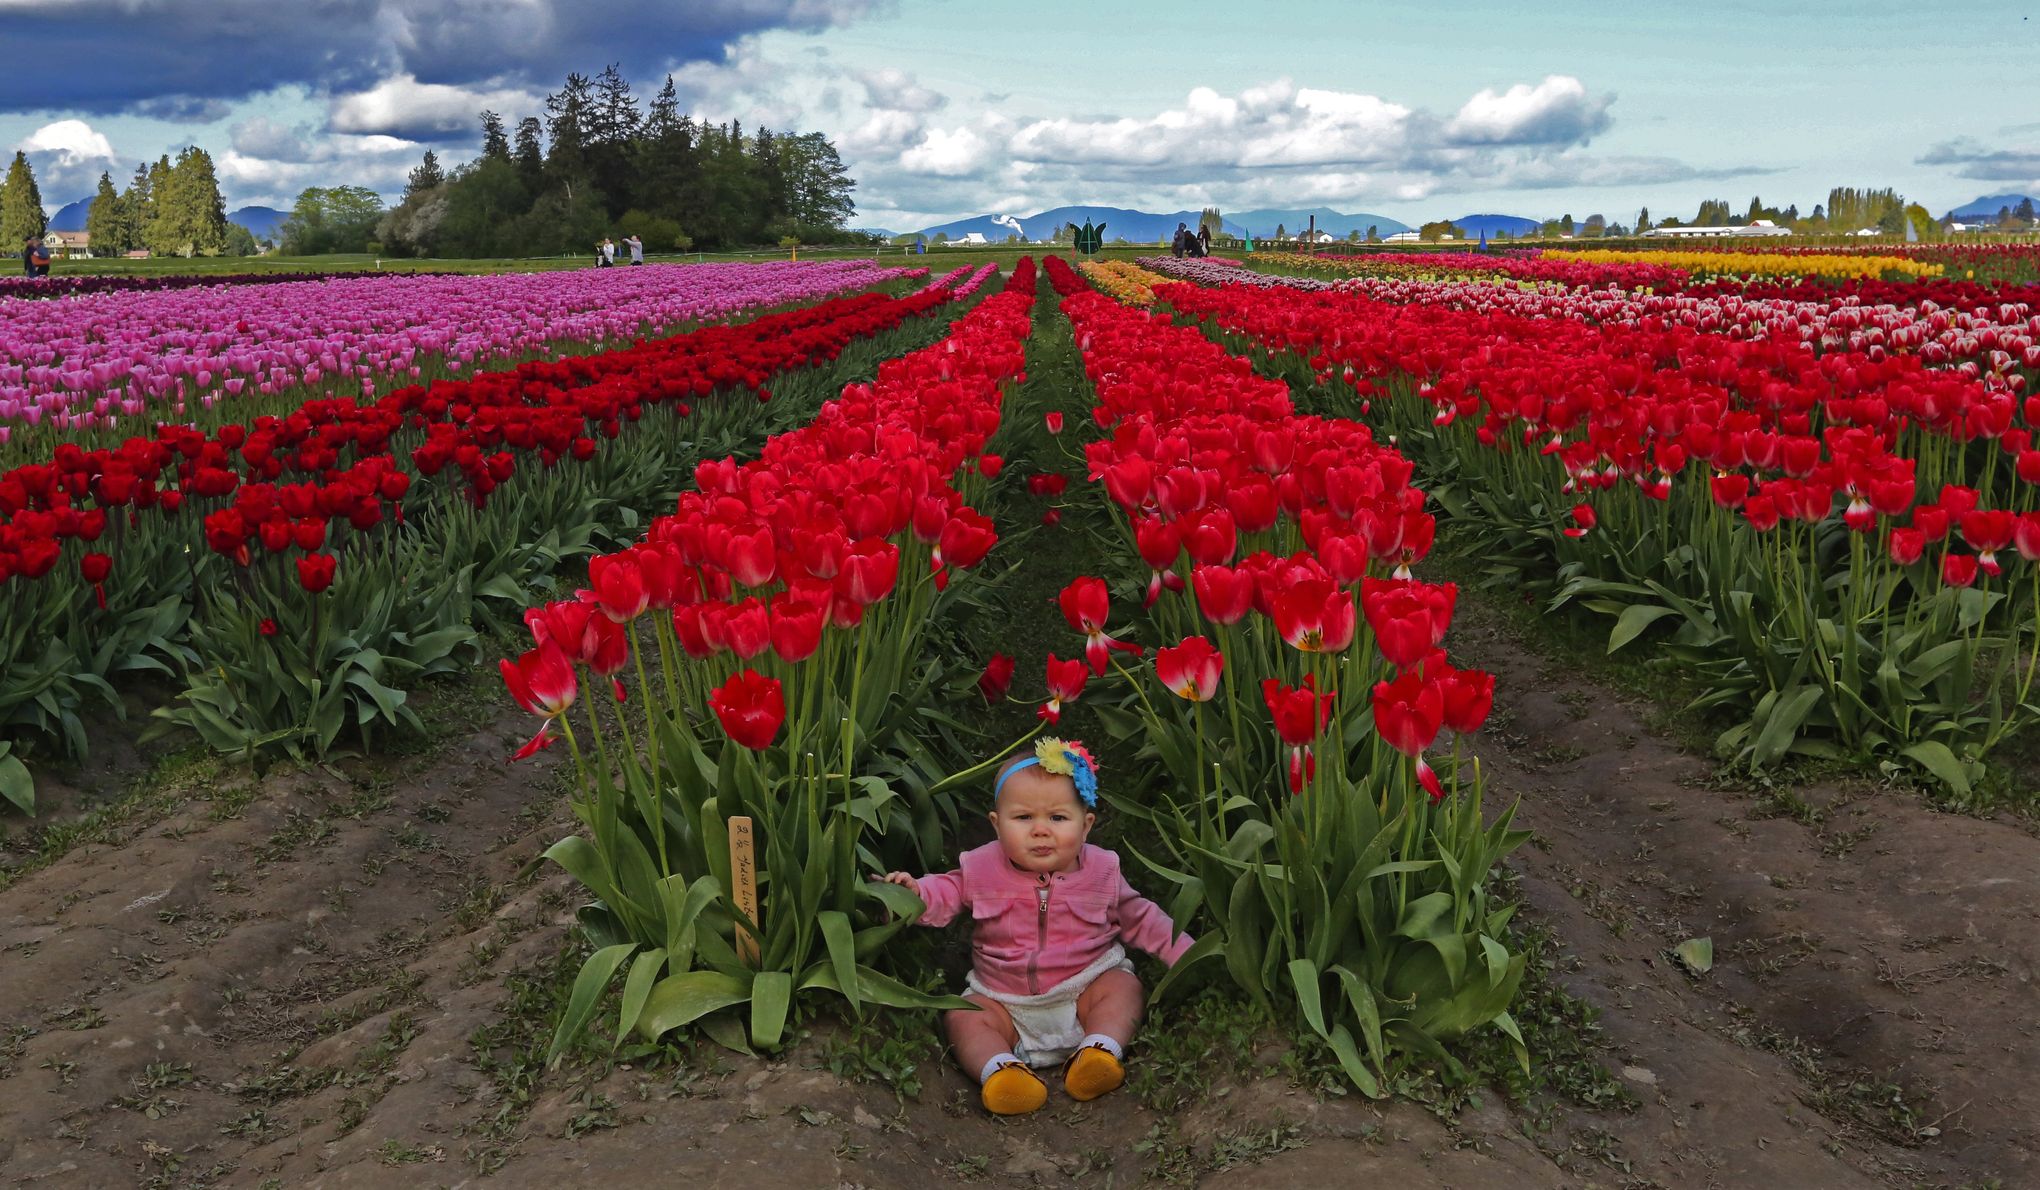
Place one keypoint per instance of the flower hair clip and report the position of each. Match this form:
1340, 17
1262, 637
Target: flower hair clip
1064, 758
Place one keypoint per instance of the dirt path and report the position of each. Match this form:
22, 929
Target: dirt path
1871, 1012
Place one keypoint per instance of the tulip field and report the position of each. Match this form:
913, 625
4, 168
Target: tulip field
1581, 702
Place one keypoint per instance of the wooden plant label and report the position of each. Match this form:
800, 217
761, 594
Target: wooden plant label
744, 876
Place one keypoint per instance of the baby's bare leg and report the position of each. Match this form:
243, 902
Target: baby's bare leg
978, 1037
1112, 1005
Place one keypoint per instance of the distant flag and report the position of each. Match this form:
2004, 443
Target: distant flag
1912, 231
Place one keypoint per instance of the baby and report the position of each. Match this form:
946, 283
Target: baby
1051, 981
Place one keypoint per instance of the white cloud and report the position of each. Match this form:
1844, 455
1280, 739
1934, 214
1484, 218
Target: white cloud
67, 157
893, 89
70, 140
1557, 111
405, 107
948, 153
259, 136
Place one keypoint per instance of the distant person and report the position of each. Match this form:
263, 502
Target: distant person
1176, 245
37, 257
605, 252
637, 249
28, 257
1204, 239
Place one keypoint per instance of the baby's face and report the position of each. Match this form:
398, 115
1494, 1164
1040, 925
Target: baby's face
1041, 824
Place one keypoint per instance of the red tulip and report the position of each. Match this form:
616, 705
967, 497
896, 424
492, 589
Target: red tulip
796, 627
990, 465
2026, 535
1191, 669
618, 586
966, 539
746, 628
267, 627
754, 557
1054, 422
94, 568
870, 571
1959, 570
1408, 618
1315, 616
1085, 604
1224, 595
1300, 712
1583, 520
1065, 682
1907, 546
1211, 539
541, 680
1987, 532
1408, 712
1469, 694
750, 707
316, 571
998, 676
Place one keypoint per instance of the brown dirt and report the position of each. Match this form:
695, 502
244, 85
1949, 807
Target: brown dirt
280, 979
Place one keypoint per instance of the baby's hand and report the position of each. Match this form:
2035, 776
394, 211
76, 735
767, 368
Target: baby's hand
904, 881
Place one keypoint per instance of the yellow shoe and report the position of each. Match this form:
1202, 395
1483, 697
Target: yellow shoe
1092, 1071
1014, 1090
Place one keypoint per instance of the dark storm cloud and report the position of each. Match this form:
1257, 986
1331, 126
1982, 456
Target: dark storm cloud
105, 56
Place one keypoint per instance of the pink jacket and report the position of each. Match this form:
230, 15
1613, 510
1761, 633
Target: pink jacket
1034, 930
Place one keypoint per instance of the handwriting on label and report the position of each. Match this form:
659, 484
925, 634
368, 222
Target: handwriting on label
744, 879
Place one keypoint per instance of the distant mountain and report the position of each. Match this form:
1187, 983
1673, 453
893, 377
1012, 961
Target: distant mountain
261, 222
1119, 222
71, 216
1515, 225
1264, 222
1151, 226
1989, 205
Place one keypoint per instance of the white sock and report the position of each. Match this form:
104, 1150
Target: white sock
1102, 1042
997, 1061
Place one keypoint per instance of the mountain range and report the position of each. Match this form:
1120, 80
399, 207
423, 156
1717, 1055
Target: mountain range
1989, 205
261, 222
1151, 227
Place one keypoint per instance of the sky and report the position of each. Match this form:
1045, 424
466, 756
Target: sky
944, 109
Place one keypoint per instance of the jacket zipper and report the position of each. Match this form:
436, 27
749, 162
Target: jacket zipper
1040, 938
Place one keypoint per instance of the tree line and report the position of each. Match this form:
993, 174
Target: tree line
598, 163
171, 208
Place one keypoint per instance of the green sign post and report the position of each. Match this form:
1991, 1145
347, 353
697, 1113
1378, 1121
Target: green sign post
1090, 238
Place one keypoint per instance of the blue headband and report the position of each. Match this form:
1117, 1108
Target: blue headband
1081, 774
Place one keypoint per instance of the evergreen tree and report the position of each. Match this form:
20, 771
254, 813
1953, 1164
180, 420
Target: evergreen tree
105, 221
1565, 226
190, 216
427, 176
614, 125
1643, 221
21, 208
567, 118
135, 204
495, 145
530, 153
1210, 218
664, 167
817, 192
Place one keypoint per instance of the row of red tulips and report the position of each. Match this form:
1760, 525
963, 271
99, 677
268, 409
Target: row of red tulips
341, 450
1828, 631
1277, 548
812, 571
326, 492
